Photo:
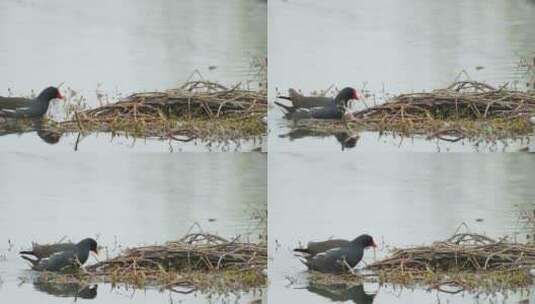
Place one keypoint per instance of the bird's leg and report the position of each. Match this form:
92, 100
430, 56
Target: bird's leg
351, 270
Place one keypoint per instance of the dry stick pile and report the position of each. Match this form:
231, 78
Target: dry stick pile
203, 253
191, 100
462, 253
471, 100
468, 100
201, 100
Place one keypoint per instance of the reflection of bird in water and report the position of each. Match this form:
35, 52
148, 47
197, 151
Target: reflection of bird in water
68, 290
342, 293
13, 126
346, 139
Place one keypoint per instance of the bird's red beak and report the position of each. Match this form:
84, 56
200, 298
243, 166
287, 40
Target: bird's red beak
59, 96
374, 245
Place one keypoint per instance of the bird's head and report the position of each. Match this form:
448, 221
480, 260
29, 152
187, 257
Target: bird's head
49, 94
365, 241
91, 244
345, 95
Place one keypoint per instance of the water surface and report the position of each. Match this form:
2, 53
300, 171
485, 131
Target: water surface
392, 47
401, 199
123, 200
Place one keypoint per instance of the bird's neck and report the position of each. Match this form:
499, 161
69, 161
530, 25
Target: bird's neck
82, 254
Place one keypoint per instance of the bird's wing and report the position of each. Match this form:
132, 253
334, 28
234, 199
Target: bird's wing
59, 260
329, 256
18, 112
14, 102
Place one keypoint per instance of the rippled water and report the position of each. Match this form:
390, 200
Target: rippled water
391, 47
123, 200
401, 199
121, 47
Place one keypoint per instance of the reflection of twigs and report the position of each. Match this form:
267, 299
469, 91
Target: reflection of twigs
175, 290
77, 141
439, 287
441, 134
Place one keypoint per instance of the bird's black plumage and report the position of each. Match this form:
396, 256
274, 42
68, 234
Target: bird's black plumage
330, 109
19, 107
66, 259
338, 259
44, 251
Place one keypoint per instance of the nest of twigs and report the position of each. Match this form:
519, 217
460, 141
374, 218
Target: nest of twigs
193, 99
203, 252
461, 100
197, 260
197, 109
467, 252
467, 261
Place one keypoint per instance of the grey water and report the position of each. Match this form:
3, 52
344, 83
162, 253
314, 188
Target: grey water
401, 199
124, 200
115, 48
389, 47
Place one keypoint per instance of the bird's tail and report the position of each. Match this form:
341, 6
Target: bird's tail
285, 97
32, 261
288, 109
303, 250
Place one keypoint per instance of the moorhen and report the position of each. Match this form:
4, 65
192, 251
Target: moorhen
44, 251
334, 109
67, 259
19, 107
331, 260
301, 101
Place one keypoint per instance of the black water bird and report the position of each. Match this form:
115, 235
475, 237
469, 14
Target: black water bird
67, 259
333, 109
336, 256
19, 107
